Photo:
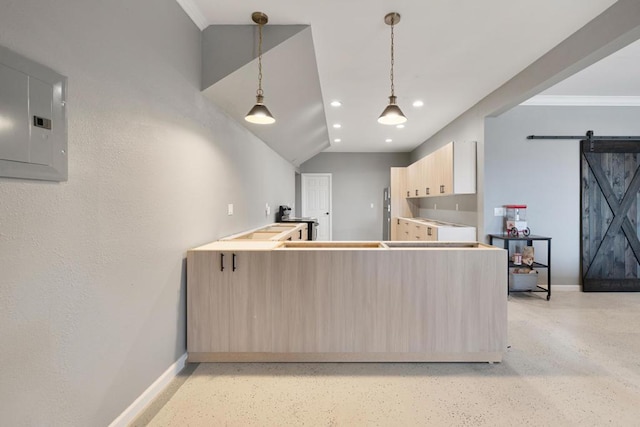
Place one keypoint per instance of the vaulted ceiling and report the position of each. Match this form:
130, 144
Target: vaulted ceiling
448, 54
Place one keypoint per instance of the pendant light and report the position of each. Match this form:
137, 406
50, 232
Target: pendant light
259, 114
392, 115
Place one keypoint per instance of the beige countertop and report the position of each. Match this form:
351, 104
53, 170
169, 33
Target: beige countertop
266, 245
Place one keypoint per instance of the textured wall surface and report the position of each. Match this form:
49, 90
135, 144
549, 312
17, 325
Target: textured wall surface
357, 181
92, 271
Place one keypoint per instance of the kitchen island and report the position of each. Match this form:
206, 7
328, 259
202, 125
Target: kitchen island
308, 301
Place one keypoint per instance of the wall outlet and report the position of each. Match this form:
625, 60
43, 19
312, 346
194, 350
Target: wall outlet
230, 209
267, 209
498, 211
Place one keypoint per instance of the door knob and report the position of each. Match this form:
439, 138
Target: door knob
326, 213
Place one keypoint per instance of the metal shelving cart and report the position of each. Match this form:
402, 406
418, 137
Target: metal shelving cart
506, 239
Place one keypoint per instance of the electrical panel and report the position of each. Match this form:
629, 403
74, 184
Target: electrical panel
33, 120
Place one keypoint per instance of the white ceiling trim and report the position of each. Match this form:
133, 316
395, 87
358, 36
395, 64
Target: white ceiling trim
584, 101
194, 13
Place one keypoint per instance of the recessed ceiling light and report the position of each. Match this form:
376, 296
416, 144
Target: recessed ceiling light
336, 103
400, 126
388, 140
337, 125
337, 140
418, 103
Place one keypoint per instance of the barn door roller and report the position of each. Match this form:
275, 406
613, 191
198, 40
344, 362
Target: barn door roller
590, 137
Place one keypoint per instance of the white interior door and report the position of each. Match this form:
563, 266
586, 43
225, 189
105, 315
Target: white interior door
316, 201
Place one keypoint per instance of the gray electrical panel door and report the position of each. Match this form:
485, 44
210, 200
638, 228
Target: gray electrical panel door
33, 122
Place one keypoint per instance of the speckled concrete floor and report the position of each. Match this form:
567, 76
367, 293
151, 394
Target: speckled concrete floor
574, 360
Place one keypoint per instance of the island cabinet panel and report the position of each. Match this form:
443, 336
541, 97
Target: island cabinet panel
228, 296
370, 303
337, 301
208, 298
249, 306
454, 318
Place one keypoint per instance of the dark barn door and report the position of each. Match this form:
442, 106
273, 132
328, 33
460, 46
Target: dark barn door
610, 181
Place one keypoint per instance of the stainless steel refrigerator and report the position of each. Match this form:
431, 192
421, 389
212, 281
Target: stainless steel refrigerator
386, 214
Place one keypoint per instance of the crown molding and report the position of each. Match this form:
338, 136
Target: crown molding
194, 13
584, 101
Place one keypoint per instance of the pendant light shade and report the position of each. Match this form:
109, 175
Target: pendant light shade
392, 114
259, 114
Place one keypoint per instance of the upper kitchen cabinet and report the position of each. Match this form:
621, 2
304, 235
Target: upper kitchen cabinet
449, 170
455, 168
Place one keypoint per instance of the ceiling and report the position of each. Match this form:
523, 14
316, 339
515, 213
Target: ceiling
448, 54
611, 81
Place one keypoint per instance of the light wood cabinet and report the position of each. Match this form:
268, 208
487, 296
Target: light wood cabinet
400, 205
443, 173
208, 299
412, 180
431, 233
413, 229
405, 227
429, 166
418, 175
228, 301
418, 232
250, 293
449, 170
325, 304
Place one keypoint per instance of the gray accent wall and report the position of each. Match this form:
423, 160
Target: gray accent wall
225, 48
358, 180
545, 174
92, 270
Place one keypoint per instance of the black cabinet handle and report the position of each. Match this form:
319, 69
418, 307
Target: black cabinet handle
408, 194
427, 190
442, 188
416, 192
398, 221
300, 234
429, 231
221, 262
233, 263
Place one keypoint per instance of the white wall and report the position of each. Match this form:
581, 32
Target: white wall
545, 174
358, 180
92, 271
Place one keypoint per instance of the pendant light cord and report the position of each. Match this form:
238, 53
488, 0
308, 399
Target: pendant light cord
259, 91
392, 88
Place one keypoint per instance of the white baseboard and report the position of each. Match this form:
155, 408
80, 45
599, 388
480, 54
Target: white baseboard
555, 288
149, 394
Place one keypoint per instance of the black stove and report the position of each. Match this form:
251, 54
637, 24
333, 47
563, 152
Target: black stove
283, 215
